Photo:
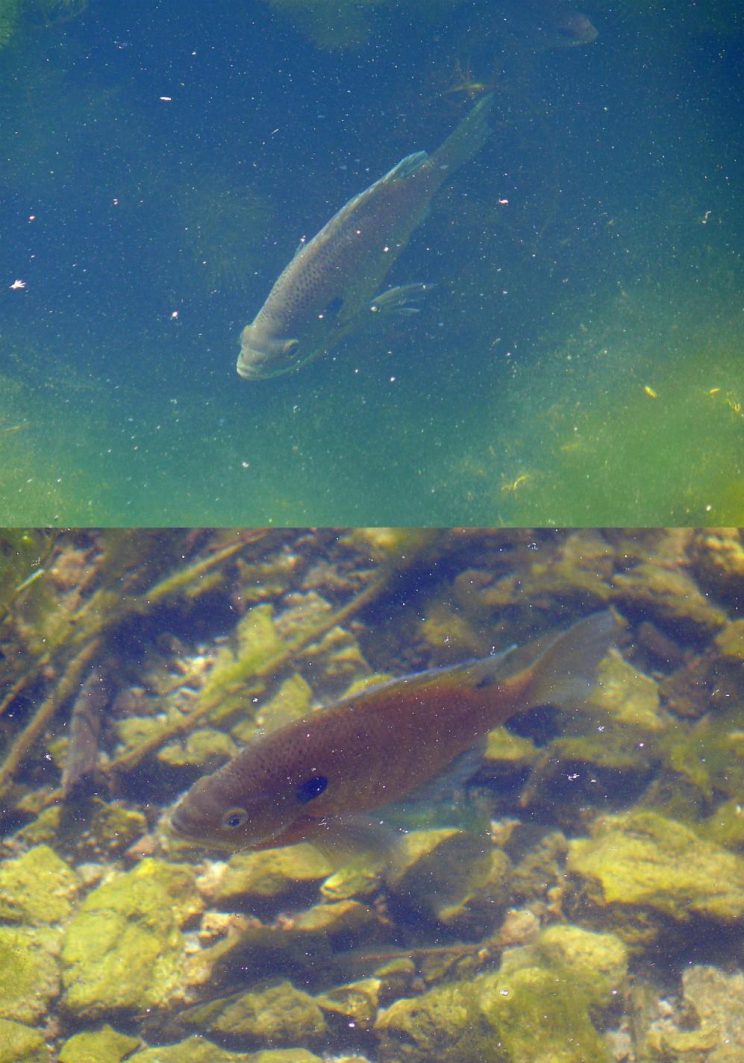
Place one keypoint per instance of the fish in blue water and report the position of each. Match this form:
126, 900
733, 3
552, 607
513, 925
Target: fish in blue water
334, 280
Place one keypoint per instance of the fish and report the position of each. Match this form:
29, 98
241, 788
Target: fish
308, 778
334, 279
546, 24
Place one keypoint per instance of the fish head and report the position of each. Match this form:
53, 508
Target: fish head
252, 808
263, 355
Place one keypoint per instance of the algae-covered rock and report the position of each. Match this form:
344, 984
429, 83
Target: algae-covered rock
710, 1025
445, 1024
291, 701
670, 596
726, 825
278, 1015
353, 1006
290, 874
452, 876
29, 971
641, 870
626, 694
351, 880
525, 1013
538, 1014
38, 887
192, 1050
598, 961
204, 748
98, 1046
22, 1044
124, 950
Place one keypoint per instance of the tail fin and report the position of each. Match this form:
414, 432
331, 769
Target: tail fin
565, 673
467, 139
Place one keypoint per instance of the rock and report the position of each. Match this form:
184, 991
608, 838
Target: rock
525, 1013
598, 961
641, 870
192, 1050
291, 701
29, 971
352, 1006
123, 949
714, 1002
22, 1044
627, 695
279, 1015
350, 881
669, 596
206, 748
448, 875
292, 874
98, 1046
37, 888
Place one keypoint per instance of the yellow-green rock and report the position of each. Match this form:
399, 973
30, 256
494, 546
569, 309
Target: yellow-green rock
280, 1015
273, 874
528, 1012
38, 887
641, 868
192, 1050
452, 876
98, 1046
124, 950
22, 1044
203, 748
291, 701
29, 971
628, 695
353, 1006
598, 961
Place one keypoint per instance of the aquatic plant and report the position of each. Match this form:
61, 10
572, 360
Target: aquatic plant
9, 16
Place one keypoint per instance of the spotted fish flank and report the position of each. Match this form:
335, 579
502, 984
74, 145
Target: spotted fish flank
334, 279
376, 747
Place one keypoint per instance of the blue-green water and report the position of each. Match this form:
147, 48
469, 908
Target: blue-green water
579, 360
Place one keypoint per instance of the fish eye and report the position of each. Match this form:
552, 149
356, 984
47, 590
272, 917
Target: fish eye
311, 788
234, 818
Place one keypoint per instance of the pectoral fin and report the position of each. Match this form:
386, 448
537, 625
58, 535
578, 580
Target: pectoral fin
400, 300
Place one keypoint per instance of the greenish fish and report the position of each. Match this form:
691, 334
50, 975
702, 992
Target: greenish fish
333, 280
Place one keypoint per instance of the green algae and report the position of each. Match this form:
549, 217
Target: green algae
29, 972
98, 1046
281, 875
123, 949
522, 1014
278, 1015
640, 870
22, 1044
37, 888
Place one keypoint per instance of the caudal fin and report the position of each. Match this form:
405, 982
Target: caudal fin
467, 139
565, 673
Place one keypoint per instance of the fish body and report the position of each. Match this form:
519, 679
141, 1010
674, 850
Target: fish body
546, 24
333, 279
378, 746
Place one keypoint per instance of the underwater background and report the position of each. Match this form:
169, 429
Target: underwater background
578, 361
577, 895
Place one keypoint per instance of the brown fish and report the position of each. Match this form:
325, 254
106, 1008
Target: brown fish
335, 278
377, 746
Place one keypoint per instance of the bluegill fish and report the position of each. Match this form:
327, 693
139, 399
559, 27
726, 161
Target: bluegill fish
334, 279
544, 24
376, 747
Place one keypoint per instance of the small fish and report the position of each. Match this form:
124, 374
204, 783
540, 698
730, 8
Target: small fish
335, 278
546, 24
300, 781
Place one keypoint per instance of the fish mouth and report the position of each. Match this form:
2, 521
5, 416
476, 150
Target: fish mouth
249, 366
